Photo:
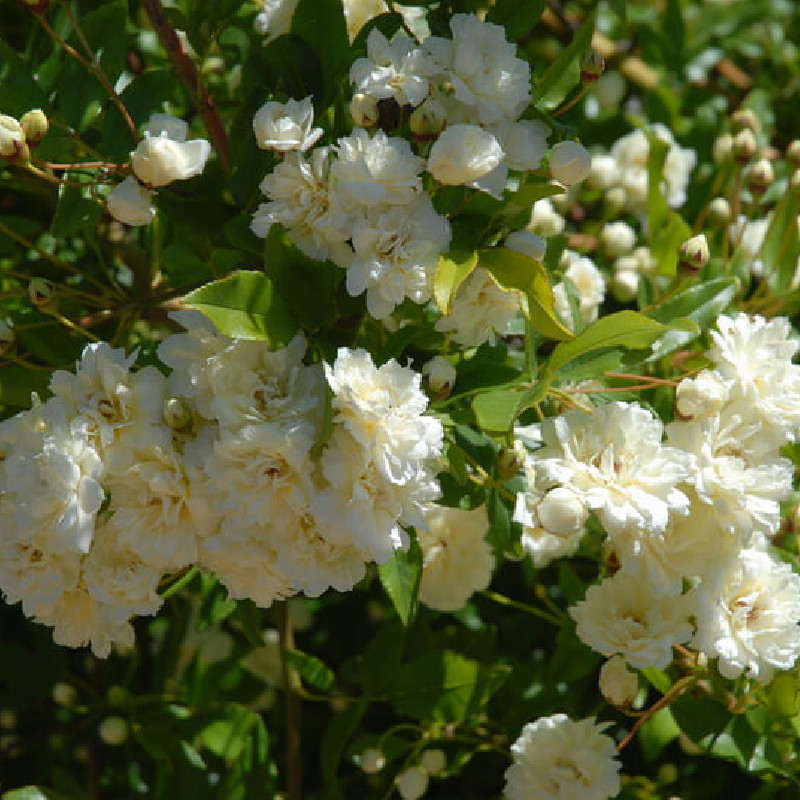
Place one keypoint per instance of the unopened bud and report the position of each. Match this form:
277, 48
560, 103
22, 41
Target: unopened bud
64, 695
760, 176
744, 146
562, 512
8, 338
793, 153
439, 376
35, 125
693, 255
178, 414
12, 137
668, 773
42, 294
570, 163
364, 110
614, 199
508, 462
113, 731
428, 120
8, 719
723, 148
372, 760
745, 120
411, 783
433, 762
118, 696
592, 65
618, 684
719, 211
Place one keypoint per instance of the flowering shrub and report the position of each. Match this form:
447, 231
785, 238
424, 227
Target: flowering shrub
399, 401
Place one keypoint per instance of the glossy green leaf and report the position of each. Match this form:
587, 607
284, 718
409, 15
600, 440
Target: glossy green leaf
564, 73
624, 329
513, 271
312, 670
656, 733
657, 678
781, 247
338, 733
245, 305
443, 686
400, 577
450, 274
74, 212
496, 411
703, 302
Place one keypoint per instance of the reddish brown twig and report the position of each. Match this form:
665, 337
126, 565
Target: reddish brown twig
189, 77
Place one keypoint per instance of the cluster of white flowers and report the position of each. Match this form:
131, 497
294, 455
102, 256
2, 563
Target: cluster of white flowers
124, 476
361, 203
697, 510
161, 157
556, 758
625, 169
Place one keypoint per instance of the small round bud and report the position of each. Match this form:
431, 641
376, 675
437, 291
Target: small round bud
8, 339
8, 719
614, 199
117, 696
693, 254
723, 149
618, 684
760, 176
178, 414
439, 376
113, 731
372, 760
617, 238
433, 761
570, 163
561, 512
12, 137
592, 65
745, 120
668, 773
64, 695
794, 182
42, 294
35, 125
364, 110
793, 153
744, 146
719, 211
428, 120
412, 783
508, 462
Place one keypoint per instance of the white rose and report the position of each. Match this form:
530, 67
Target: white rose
164, 156
524, 143
275, 19
286, 126
464, 154
570, 163
129, 202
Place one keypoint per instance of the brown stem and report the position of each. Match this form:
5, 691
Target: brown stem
190, 78
91, 64
294, 763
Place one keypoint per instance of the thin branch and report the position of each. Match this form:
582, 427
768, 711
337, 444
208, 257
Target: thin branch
294, 763
190, 78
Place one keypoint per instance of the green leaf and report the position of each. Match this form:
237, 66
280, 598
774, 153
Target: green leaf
513, 271
17, 383
517, 18
500, 533
668, 230
450, 274
227, 737
19, 91
781, 247
249, 616
657, 678
312, 670
245, 305
572, 659
656, 733
74, 212
702, 303
400, 577
623, 329
445, 687
338, 733
496, 411
565, 71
